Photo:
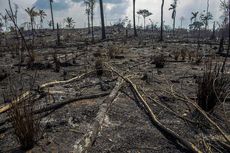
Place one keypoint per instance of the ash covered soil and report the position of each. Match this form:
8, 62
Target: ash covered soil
126, 126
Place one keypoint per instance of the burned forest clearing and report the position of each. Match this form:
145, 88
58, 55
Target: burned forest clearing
114, 88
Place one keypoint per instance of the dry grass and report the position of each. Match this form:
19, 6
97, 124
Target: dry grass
183, 54
191, 55
56, 62
26, 126
212, 88
99, 67
176, 55
114, 50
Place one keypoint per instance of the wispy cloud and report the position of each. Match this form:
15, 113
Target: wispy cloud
57, 4
105, 1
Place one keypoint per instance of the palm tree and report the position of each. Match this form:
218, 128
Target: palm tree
42, 15
50, 24
207, 14
92, 6
1, 25
87, 11
173, 8
194, 16
181, 21
145, 13
5, 18
134, 18
51, 10
32, 13
205, 18
102, 20
16, 12
70, 22
162, 20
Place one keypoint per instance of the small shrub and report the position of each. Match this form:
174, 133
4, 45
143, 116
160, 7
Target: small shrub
26, 126
99, 67
159, 61
57, 63
97, 54
191, 55
146, 78
212, 87
176, 55
198, 60
183, 54
3, 74
113, 50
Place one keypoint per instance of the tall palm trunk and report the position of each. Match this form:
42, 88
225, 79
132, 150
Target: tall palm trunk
32, 23
144, 23
174, 23
134, 18
162, 20
51, 9
207, 10
41, 24
92, 29
102, 20
6, 24
88, 23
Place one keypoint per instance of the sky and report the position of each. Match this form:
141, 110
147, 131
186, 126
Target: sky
114, 10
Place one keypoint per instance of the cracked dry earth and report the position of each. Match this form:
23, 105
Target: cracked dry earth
126, 127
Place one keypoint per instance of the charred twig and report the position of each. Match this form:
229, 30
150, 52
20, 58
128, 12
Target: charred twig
27, 93
23, 38
169, 133
61, 104
184, 98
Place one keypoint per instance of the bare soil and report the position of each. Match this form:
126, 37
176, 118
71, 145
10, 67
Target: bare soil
127, 128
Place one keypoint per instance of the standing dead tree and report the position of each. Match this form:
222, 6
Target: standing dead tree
51, 10
134, 18
29, 51
162, 20
87, 11
227, 7
102, 20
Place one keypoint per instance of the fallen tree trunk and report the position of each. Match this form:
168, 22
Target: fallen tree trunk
67, 81
174, 137
8, 106
87, 140
186, 99
179, 140
56, 106
42, 87
61, 104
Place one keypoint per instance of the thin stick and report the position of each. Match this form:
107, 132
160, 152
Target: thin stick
179, 140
